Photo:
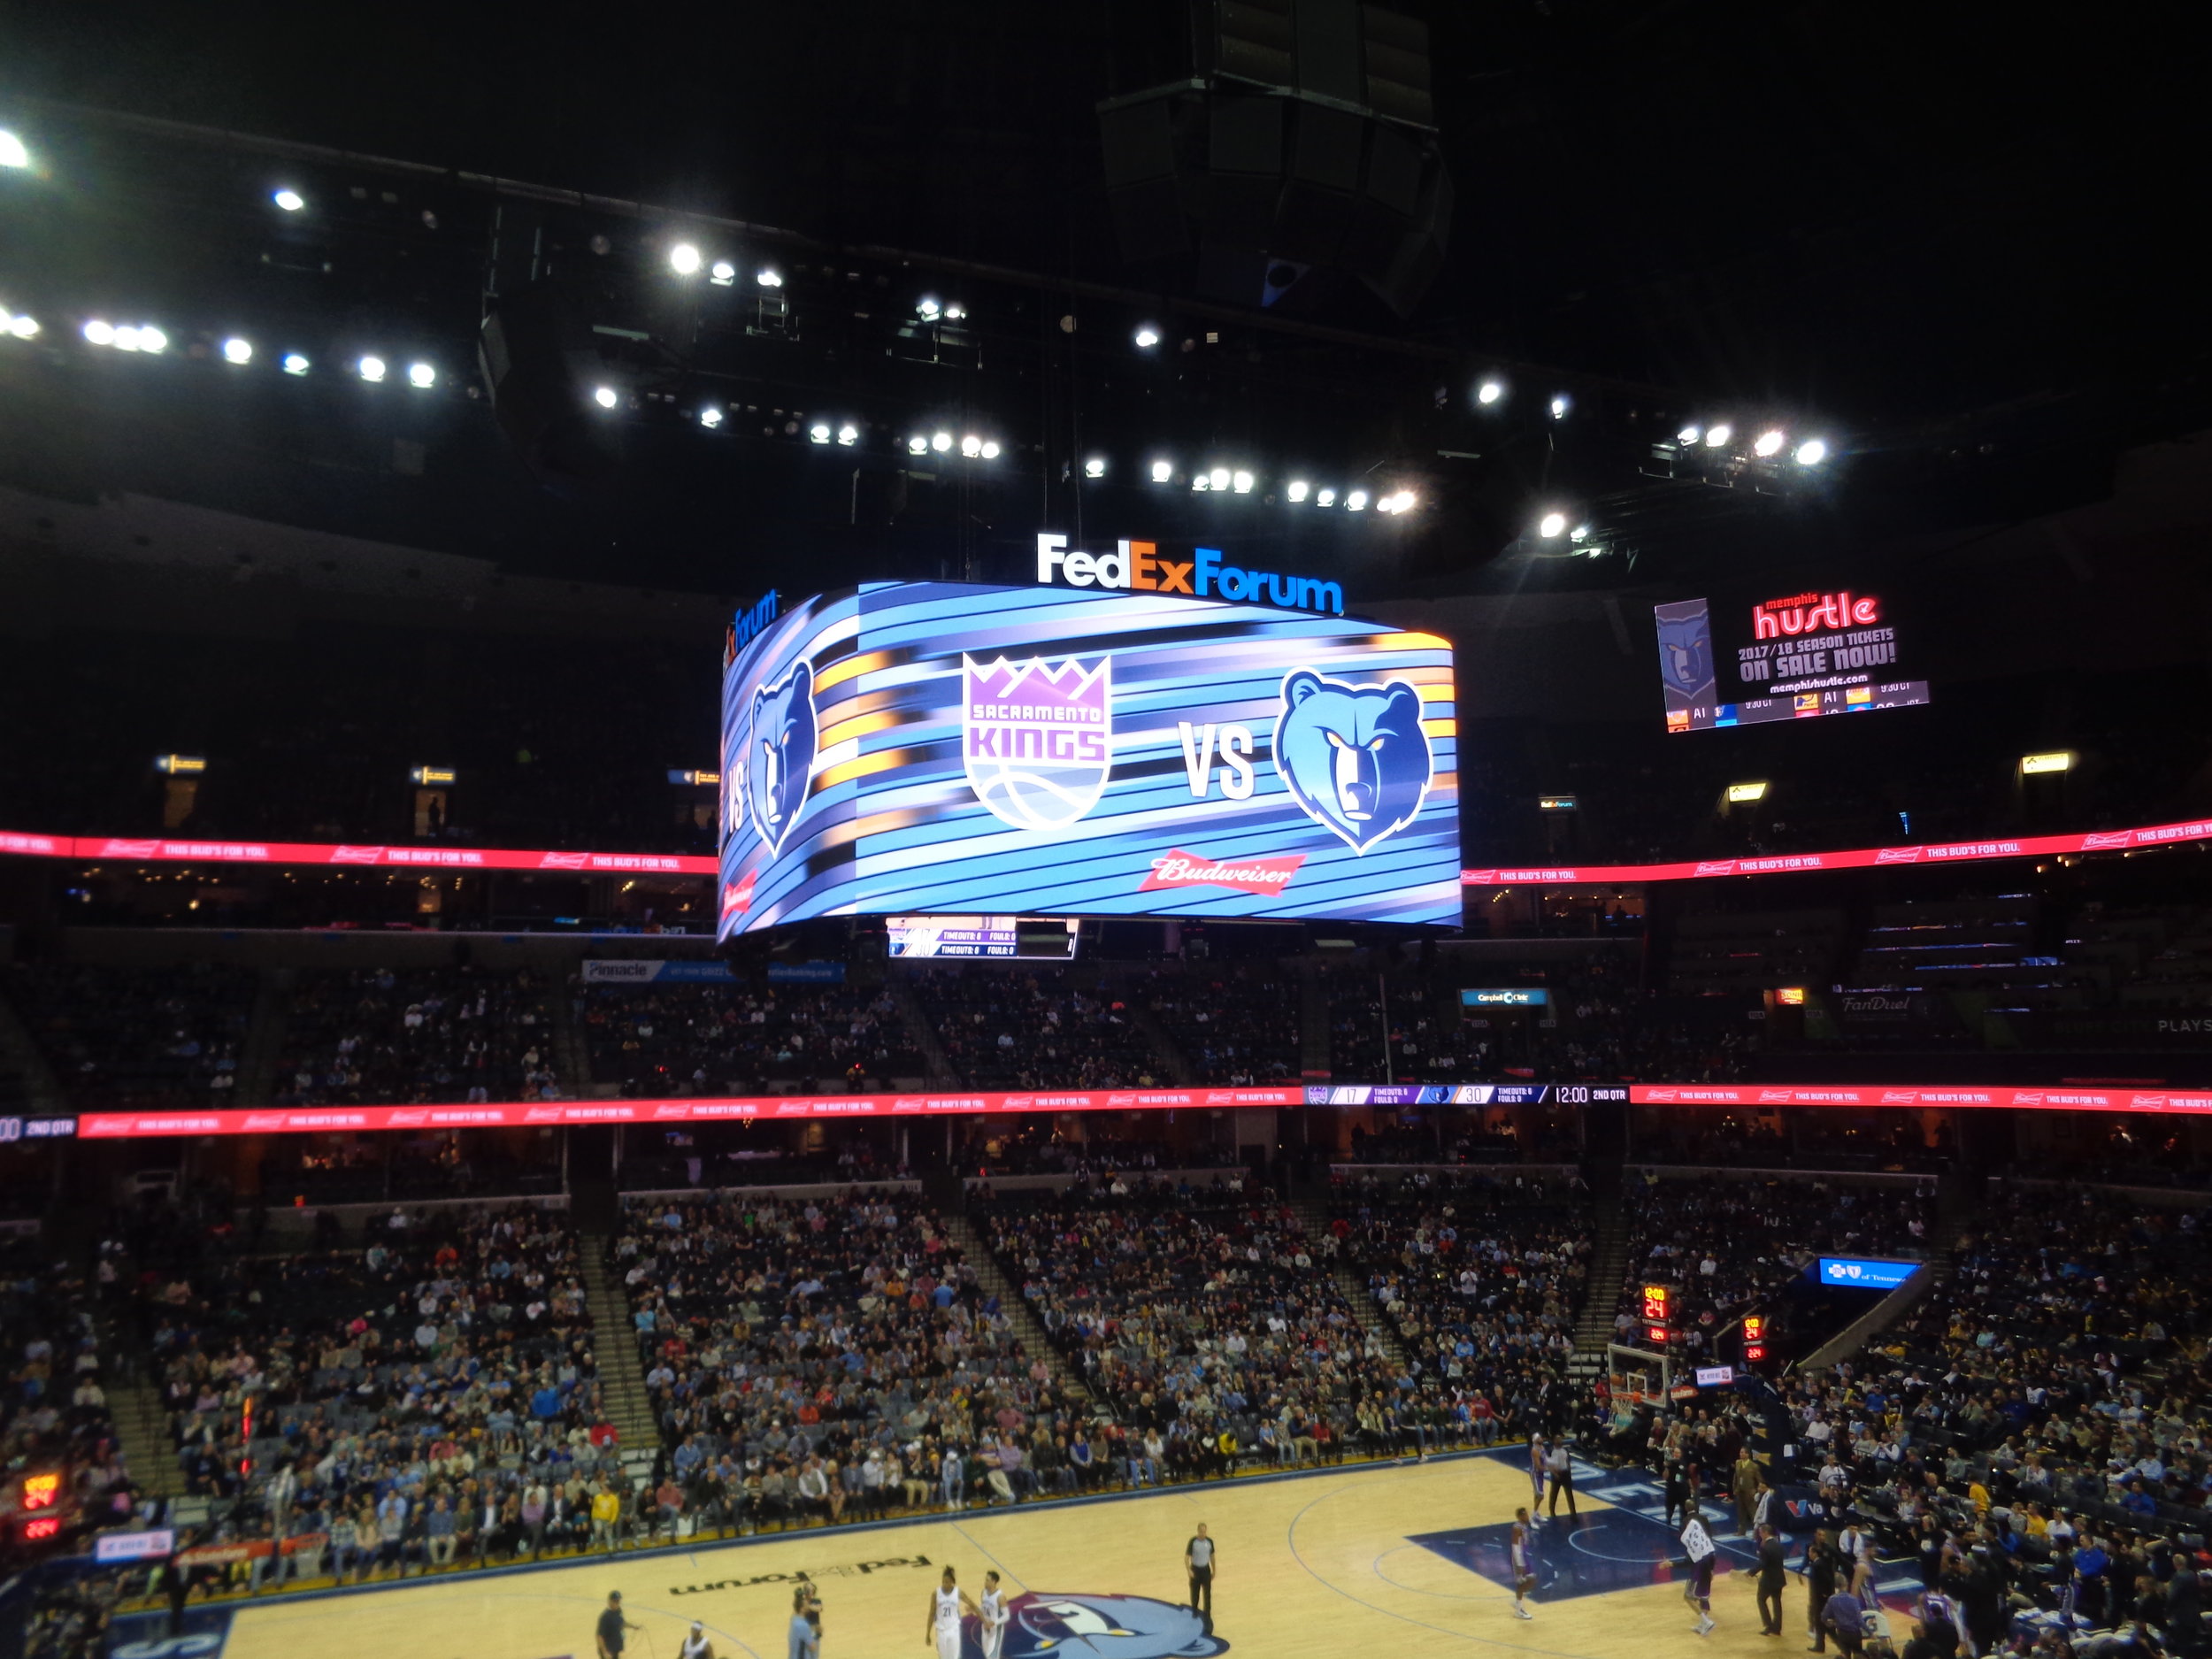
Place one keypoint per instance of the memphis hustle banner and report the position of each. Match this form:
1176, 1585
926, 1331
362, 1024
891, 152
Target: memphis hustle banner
324, 1119
935, 747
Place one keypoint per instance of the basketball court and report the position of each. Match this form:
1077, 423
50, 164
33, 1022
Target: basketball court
1376, 1559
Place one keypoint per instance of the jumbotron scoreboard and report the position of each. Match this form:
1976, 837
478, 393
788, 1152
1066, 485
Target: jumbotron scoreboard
938, 748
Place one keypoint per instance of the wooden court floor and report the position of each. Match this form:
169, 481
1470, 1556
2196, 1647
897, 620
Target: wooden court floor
1377, 1559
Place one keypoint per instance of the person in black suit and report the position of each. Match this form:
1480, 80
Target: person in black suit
1773, 1566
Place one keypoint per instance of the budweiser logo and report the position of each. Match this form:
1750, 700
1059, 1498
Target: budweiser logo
542, 1115
1782, 1095
128, 849
1717, 867
1261, 876
2109, 838
262, 1120
564, 861
1479, 877
1900, 1096
357, 854
406, 1118
738, 896
1663, 1094
2027, 1097
1898, 855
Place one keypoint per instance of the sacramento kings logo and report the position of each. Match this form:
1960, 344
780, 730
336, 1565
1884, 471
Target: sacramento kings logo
1037, 737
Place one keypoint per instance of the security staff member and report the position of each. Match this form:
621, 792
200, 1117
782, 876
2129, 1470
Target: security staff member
1198, 1561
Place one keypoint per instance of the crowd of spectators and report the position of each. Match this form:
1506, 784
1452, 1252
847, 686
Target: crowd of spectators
1726, 1246
1598, 1025
148, 1038
657, 1040
1482, 1278
831, 1359
428, 1396
1028, 1028
384, 1035
1235, 1026
1206, 1315
55, 1417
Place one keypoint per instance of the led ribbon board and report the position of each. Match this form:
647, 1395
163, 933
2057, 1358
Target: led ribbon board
935, 747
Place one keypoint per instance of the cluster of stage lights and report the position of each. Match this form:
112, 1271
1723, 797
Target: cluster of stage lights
150, 340
1769, 444
685, 260
1298, 492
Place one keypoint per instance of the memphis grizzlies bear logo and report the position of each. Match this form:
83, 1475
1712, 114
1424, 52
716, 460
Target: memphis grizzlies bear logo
1355, 756
1100, 1627
780, 753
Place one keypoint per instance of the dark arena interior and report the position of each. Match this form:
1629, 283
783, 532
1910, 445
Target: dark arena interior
802, 810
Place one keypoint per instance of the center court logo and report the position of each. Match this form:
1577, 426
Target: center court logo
1102, 1627
1037, 737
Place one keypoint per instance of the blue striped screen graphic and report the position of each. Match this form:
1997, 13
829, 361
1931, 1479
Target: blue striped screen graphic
919, 748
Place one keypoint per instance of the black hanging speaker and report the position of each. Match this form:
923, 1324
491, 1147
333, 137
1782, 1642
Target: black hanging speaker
544, 369
1301, 142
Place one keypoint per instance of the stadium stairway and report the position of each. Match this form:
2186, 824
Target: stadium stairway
1601, 1293
1315, 1213
1166, 1049
266, 1031
142, 1427
994, 1282
27, 1084
1314, 1047
570, 1057
614, 1346
921, 1033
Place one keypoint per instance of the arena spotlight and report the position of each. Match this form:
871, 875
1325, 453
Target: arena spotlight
1147, 337
1552, 525
125, 337
151, 341
940, 441
956, 312
1560, 404
1490, 392
99, 333
1715, 436
604, 397
1296, 490
1163, 470
1689, 434
290, 200
970, 446
1581, 533
23, 327
1200, 482
819, 432
1241, 483
917, 445
13, 151
1095, 467
710, 417
724, 274
1326, 498
1218, 478
370, 369
683, 258
422, 376
848, 434
295, 363
1768, 442
927, 308
770, 277
1356, 502
236, 350
1812, 452
990, 449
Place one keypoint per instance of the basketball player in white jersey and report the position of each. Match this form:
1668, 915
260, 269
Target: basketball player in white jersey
994, 1617
1524, 1565
696, 1645
947, 1602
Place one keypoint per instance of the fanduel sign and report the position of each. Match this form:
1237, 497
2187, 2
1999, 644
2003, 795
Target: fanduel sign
1137, 567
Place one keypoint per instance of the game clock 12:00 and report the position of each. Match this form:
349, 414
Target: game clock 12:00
922, 747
